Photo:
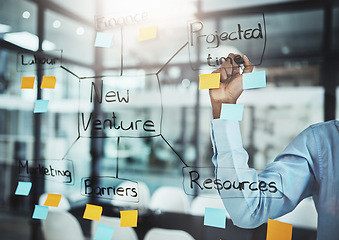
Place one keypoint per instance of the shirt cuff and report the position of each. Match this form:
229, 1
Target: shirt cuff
226, 135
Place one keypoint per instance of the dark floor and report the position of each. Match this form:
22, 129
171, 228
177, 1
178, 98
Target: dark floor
16, 225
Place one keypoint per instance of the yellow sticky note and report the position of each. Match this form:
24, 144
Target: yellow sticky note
207, 81
48, 82
27, 82
92, 212
52, 200
278, 230
128, 218
147, 33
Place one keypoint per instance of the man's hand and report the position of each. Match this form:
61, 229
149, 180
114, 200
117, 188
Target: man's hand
230, 83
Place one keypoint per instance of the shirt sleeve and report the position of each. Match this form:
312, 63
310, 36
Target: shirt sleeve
292, 167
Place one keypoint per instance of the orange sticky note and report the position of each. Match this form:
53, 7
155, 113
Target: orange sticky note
147, 33
52, 200
27, 82
92, 212
128, 218
207, 81
278, 230
48, 82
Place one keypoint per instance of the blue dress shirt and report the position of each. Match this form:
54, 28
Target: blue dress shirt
309, 166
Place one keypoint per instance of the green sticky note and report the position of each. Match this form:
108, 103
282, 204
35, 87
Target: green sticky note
215, 217
232, 111
254, 80
103, 40
104, 232
40, 212
41, 106
23, 188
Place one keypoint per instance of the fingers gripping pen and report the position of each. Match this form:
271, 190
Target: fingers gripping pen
240, 61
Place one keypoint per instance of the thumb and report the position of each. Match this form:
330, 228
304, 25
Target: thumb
248, 65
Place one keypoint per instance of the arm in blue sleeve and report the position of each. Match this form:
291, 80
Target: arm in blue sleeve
293, 165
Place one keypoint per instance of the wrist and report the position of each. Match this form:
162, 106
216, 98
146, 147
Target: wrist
224, 101
216, 109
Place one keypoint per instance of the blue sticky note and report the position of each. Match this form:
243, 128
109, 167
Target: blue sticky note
40, 212
40, 106
103, 40
23, 188
215, 217
254, 80
104, 232
232, 111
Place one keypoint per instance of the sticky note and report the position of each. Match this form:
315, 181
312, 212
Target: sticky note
215, 217
23, 188
27, 82
52, 200
40, 106
278, 230
103, 40
104, 232
207, 81
232, 111
40, 212
147, 33
92, 212
128, 218
48, 82
254, 80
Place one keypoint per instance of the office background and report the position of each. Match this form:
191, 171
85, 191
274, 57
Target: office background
301, 63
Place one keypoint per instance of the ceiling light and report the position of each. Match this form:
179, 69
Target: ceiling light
285, 50
47, 45
56, 24
23, 39
26, 14
80, 31
185, 83
5, 28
